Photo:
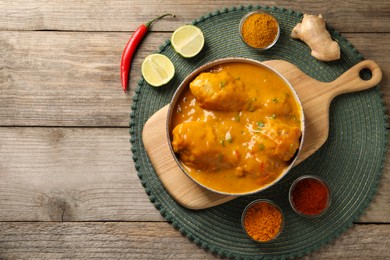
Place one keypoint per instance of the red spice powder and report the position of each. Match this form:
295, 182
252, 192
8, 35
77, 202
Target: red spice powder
310, 196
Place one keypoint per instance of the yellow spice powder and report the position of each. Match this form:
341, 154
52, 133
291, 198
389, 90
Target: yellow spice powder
259, 30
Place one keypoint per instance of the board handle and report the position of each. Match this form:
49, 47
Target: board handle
350, 81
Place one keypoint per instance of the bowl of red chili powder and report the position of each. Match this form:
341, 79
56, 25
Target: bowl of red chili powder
259, 30
309, 196
262, 220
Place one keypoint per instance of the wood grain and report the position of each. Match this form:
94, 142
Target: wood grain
70, 174
145, 240
119, 15
87, 174
81, 88
59, 84
39, 88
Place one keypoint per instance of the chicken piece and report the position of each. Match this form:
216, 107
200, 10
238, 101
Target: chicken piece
219, 91
278, 139
198, 146
259, 165
277, 106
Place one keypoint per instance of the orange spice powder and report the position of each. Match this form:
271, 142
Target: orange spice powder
259, 30
262, 221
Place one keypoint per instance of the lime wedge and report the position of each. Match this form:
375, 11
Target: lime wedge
187, 40
157, 69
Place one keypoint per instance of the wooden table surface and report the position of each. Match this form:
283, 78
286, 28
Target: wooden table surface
68, 185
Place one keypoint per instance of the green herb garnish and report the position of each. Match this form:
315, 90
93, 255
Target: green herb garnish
260, 124
222, 84
237, 117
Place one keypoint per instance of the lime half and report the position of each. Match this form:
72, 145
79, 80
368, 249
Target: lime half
157, 69
187, 40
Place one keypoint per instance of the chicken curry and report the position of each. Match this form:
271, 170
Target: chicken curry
236, 128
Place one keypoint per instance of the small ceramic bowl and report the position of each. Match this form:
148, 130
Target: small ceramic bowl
262, 47
302, 189
262, 205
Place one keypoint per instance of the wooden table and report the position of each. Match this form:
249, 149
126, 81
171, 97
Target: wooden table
68, 185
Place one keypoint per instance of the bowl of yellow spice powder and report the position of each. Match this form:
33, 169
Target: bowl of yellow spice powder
259, 30
262, 220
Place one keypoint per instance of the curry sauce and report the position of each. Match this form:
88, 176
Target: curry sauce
236, 128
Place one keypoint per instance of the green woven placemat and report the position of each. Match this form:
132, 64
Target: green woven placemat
351, 160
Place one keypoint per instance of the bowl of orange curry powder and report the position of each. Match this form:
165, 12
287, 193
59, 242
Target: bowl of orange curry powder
259, 30
235, 126
262, 220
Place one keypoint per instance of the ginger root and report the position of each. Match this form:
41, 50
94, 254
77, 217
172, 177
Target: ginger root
312, 31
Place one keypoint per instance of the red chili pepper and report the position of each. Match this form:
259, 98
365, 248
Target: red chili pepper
131, 47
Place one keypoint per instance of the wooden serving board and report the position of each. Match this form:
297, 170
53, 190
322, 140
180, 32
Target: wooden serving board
315, 97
